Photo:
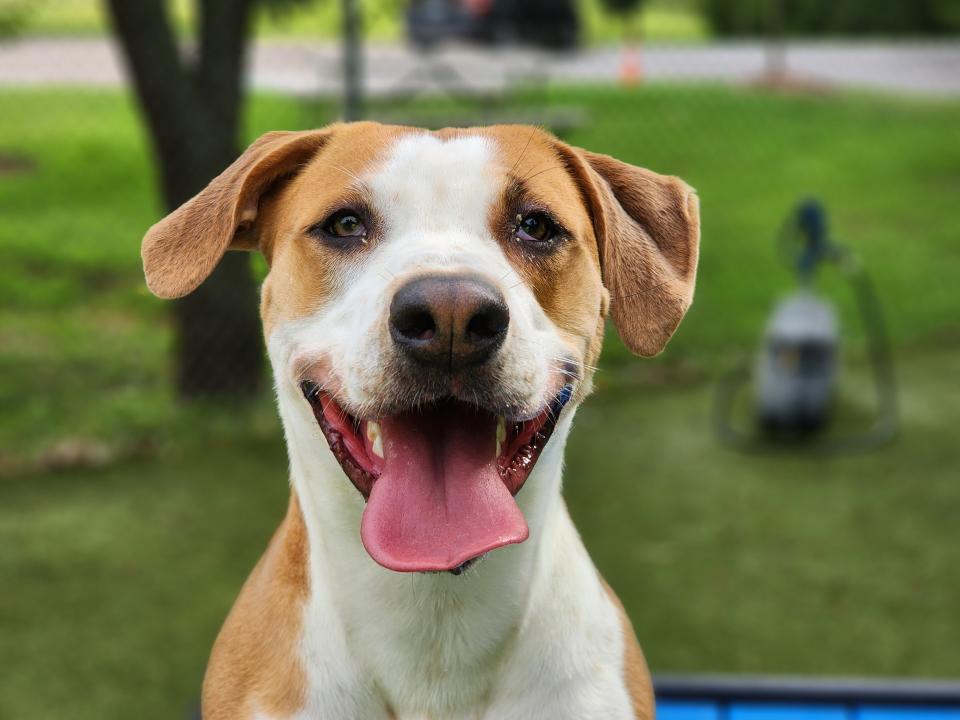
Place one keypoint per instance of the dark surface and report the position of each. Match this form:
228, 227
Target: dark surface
845, 691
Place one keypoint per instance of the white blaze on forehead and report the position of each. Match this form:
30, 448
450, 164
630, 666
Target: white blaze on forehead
428, 184
435, 198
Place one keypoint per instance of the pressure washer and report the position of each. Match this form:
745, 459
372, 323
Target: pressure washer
796, 370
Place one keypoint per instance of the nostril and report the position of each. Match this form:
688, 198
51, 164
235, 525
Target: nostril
415, 324
448, 321
488, 323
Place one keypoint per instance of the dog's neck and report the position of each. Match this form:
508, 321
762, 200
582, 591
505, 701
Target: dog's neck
453, 626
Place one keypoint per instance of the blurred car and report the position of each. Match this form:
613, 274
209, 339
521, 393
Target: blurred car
550, 24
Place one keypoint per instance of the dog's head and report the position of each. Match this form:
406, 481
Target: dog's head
439, 299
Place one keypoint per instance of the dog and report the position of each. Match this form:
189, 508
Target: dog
434, 308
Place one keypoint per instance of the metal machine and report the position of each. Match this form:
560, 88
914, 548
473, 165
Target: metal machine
796, 371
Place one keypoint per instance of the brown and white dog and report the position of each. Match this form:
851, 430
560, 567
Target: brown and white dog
434, 307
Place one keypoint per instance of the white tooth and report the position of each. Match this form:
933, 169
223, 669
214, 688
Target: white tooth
376, 440
501, 433
499, 448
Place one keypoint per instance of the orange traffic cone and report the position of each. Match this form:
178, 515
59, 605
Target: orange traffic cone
631, 68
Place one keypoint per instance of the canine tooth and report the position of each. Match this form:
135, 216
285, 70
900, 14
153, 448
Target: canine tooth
375, 438
501, 433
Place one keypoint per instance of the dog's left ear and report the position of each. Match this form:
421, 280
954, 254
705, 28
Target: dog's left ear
181, 251
648, 234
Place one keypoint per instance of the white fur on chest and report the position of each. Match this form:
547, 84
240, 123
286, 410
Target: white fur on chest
528, 632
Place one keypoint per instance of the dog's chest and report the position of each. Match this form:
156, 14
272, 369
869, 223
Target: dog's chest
438, 648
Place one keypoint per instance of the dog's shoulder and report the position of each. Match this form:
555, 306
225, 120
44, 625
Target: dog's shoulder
255, 665
635, 671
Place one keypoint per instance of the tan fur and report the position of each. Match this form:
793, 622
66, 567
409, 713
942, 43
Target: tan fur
567, 283
635, 671
180, 251
644, 226
633, 251
648, 233
302, 271
254, 665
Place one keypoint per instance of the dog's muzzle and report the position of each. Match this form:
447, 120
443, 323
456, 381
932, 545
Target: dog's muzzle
448, 322
443, 458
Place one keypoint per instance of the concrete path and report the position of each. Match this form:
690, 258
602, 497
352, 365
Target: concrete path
304, 68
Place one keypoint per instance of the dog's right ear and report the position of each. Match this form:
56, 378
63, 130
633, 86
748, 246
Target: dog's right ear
181, 251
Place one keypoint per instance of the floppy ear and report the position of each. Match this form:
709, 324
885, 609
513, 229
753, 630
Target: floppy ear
181, 251
648, 234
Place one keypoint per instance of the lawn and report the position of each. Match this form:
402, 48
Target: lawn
128, 522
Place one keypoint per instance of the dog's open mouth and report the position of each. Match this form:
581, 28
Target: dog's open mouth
439, 480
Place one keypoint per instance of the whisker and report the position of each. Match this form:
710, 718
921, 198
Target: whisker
345, 172
533, 131
506, 274
585, 366
541, 172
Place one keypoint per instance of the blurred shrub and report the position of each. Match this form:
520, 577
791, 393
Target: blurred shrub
834, 17
13, 17
622, 7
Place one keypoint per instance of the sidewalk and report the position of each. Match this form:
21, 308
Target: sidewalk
304, 68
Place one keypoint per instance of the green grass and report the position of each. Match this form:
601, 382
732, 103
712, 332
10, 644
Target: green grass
71, 276
662, 20
888, 172
775, 564
123, 562
116, 581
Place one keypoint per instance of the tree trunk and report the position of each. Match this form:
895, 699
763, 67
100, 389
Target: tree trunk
352, 60
219, 350
193, 113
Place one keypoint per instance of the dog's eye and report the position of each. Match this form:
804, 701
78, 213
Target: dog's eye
536, 228
345, 224
343, 230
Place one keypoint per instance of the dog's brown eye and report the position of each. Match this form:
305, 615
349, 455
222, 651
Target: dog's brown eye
345, 229
536, 228
345, 224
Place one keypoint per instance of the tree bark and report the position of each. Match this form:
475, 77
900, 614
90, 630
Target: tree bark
352, 60
192, 111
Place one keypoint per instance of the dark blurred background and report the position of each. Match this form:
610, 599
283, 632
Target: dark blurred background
141, 463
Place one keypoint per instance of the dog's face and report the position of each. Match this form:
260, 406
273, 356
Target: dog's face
439, 300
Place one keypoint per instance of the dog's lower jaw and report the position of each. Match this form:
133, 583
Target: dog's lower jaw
484, 644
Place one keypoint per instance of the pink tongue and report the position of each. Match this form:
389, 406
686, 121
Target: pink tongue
439, 500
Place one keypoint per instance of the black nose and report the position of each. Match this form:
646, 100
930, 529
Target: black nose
449, 321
